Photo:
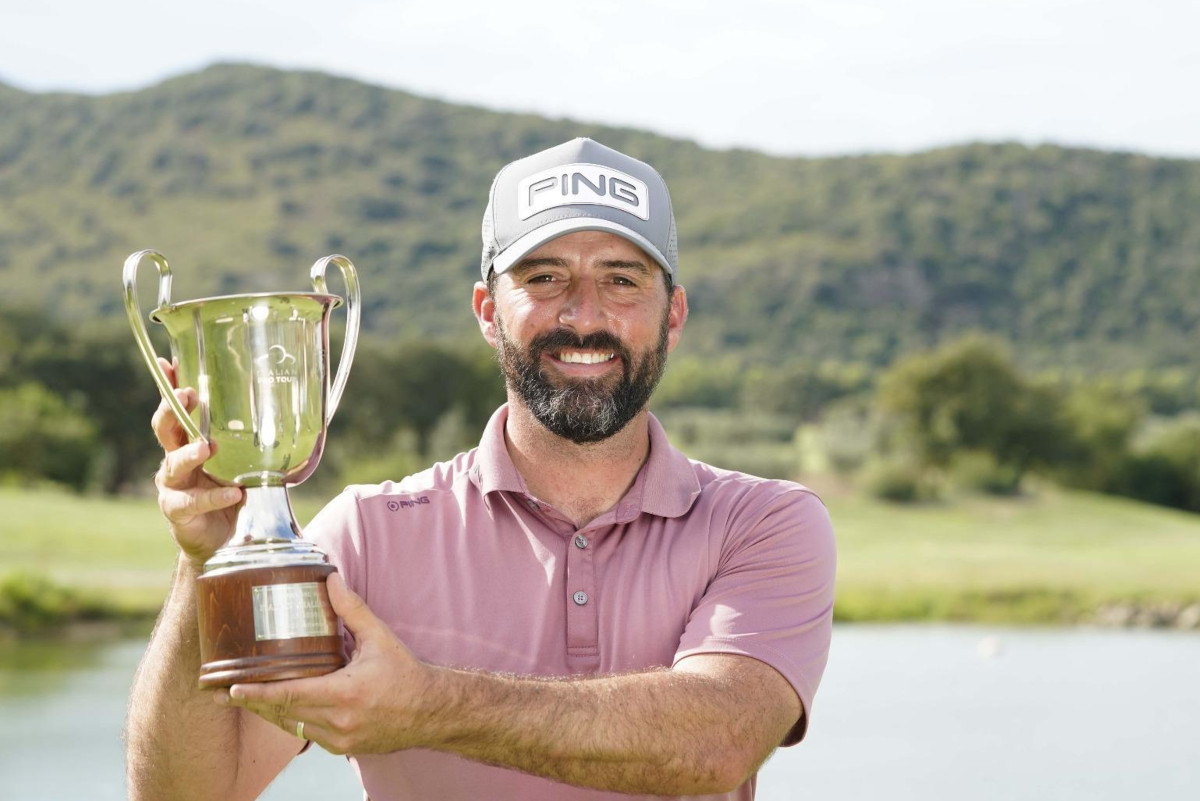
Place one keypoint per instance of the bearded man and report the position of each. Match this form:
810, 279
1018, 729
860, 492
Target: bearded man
573, 609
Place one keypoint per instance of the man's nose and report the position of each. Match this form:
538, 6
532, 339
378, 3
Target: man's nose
582, 310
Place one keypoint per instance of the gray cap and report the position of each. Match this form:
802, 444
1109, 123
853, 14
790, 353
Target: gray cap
579, 185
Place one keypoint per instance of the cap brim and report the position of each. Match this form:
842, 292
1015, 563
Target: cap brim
553, 230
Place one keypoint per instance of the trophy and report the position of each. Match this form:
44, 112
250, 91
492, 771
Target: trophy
260, 364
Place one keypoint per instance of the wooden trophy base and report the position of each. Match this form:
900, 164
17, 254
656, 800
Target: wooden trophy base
266, 624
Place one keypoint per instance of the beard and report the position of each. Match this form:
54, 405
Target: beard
581, 410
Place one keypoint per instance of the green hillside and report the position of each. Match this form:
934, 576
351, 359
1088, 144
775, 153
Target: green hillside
244, 175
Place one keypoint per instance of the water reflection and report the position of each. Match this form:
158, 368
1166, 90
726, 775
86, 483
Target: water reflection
934, 713
62, 704
40, 666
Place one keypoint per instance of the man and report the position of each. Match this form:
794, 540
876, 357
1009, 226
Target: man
570, 611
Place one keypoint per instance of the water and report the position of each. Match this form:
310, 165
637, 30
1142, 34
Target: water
973, 713
905, 712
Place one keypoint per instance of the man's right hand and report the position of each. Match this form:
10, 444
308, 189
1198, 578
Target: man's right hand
201, 512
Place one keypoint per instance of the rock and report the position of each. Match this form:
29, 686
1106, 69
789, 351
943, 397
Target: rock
1116, 615
1188, 618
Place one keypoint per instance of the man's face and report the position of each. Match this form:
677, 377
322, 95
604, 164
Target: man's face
582, 327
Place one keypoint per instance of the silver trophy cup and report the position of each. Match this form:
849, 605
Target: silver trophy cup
260, 365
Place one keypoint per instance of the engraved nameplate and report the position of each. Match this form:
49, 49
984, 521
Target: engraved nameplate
287, 611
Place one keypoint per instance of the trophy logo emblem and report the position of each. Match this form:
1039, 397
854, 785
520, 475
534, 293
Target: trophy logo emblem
260, 365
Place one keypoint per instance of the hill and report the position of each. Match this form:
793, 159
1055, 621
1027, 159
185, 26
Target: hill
244, 175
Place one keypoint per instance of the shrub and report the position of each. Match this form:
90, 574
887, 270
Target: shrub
897, 480
980, 472
726, 428
760, 444
847, 437
29, 602
763, 459
1165, 469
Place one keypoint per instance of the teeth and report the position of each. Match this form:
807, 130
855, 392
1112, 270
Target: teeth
583, 357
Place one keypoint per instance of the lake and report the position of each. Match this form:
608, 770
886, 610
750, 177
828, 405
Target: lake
905, 712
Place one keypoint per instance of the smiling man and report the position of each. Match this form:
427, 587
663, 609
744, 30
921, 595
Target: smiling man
572, 610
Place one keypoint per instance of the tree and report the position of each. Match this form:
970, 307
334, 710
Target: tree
1102, 421
1165, 469
42, 436
802, 391
695, 382
103, 368
98, 372
969, 396
413, 385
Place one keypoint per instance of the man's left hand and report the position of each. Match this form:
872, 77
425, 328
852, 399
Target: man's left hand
370, 706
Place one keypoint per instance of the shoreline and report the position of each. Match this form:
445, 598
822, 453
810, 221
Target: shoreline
1154, 615
1157, 615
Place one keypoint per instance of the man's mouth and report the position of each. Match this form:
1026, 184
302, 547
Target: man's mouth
584, 356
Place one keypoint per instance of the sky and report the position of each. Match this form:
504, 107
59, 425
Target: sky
789, 77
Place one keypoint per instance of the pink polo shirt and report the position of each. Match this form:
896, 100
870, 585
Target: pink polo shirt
472, 571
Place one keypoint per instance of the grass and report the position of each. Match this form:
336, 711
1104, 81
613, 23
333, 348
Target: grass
1055, 556
113, 551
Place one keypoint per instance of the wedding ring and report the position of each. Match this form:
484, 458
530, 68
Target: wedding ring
300, 729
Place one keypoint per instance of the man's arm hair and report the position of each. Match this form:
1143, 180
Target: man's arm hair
704, 727
701, 727
179, 744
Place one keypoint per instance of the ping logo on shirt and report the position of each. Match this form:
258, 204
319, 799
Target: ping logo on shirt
396, 506
582, 183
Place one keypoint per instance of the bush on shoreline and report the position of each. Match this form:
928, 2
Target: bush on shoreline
31, 603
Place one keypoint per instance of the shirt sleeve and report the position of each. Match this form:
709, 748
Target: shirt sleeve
771, 597
337, 530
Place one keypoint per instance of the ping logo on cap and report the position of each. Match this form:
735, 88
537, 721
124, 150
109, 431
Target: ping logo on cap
572, 184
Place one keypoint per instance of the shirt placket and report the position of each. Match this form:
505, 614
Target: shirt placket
582, 609
583, 620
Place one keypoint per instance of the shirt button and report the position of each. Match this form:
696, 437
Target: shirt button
580, 541
532, 504
580, 598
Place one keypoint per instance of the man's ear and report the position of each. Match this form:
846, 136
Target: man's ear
676, 317
485, 312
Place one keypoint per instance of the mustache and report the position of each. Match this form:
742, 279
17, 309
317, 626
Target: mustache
561, 338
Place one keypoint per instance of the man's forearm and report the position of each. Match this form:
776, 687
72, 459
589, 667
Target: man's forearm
702, 727
660, 732
179, 744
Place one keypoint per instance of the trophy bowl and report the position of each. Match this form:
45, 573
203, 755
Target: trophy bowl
260, 365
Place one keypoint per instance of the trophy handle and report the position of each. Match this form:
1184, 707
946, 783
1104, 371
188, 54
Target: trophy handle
133, 308
353, 317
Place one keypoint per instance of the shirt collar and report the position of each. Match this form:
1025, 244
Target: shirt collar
494, 469
665, 486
